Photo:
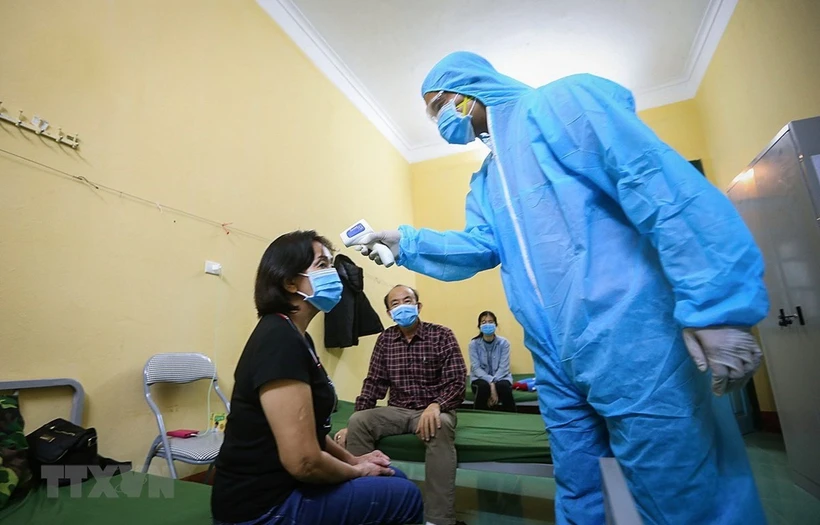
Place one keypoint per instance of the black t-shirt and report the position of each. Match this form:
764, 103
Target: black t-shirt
250, 478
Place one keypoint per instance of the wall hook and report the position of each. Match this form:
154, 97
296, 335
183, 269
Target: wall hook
40, 127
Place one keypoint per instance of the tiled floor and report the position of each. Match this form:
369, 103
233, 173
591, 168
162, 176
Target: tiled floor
785, 503
502, 499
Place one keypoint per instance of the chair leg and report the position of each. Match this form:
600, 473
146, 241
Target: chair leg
171, 465
151, 453
147, 463
209, 476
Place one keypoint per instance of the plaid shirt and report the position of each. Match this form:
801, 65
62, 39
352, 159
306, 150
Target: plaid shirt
428, 369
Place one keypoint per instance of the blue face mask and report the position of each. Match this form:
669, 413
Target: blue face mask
487, 328
454, 127
327, 289
405, 315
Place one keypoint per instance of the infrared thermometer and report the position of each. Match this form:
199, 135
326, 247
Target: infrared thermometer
352, 235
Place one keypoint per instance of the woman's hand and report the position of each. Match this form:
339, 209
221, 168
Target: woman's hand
366, 468
377, 457
493, 401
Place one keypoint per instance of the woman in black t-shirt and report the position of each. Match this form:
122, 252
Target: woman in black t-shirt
277, 464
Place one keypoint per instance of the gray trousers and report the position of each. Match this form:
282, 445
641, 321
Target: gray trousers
367, 427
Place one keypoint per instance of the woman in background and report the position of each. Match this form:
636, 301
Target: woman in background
277, 464
490, 367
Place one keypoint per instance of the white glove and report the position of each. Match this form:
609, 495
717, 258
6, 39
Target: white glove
390, 238
731, 353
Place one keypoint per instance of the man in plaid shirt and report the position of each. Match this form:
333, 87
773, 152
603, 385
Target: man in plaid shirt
421, 365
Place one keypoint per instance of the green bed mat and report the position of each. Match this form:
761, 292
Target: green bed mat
140, 498
480, 436
518, 395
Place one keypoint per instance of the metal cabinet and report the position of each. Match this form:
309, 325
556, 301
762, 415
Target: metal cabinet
779, 198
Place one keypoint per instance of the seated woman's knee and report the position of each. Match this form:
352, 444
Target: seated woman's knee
481, 385
503, 386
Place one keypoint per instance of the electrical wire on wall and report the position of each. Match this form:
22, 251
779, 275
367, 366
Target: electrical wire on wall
219, 313
226, 227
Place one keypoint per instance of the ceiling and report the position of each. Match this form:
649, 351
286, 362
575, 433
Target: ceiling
378, 52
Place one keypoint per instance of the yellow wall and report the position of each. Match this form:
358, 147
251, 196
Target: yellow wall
765, 72
439, 189
204, 105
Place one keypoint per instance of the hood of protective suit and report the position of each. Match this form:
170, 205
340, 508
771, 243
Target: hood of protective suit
468, 74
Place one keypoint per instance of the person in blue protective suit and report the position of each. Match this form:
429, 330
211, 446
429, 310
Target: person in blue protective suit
630, 274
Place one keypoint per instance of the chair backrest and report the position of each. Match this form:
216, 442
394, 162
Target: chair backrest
182, 367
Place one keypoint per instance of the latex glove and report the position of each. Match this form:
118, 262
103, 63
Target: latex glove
390, 238
731, 353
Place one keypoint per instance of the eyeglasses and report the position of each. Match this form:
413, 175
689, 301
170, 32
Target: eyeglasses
435, 105
439, 101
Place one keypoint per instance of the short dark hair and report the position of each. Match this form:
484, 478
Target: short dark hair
415, 293
481, 316
286, 257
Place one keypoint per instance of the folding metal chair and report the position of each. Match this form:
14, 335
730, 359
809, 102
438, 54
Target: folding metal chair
181, 368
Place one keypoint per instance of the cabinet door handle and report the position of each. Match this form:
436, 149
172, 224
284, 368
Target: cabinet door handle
800, 318
785, 320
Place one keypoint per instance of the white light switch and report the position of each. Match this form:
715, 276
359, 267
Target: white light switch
213, 268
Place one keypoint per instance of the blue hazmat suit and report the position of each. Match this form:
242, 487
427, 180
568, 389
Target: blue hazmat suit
610, 243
